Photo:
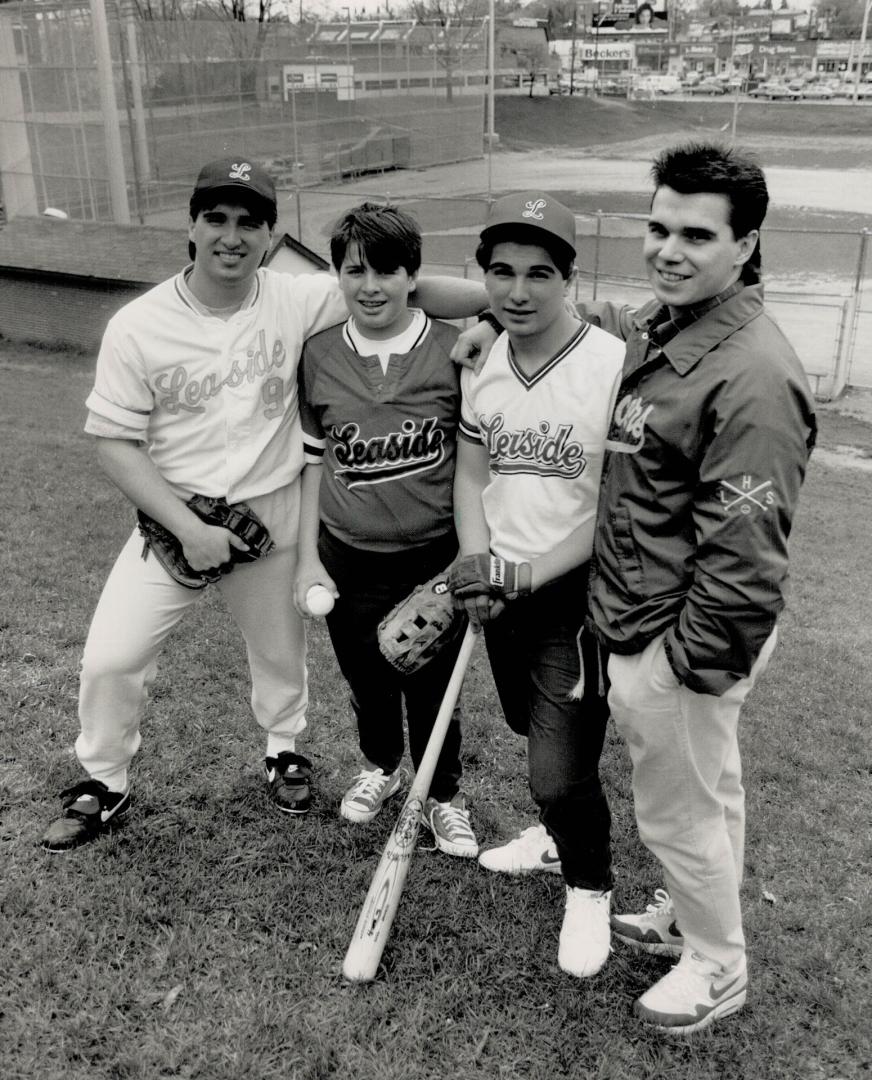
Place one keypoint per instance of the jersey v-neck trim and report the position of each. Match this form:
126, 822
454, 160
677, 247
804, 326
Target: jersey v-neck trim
529, 381
183, 291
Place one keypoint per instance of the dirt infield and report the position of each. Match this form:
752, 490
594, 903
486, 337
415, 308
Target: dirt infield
623, 171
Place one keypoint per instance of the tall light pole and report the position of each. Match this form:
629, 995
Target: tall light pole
596, 51
349, 76
109, 108
862, 49
491, 75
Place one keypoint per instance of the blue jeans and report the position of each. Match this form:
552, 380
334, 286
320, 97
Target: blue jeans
533, 647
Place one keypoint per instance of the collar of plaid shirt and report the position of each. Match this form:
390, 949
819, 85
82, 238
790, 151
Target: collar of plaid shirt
663, 327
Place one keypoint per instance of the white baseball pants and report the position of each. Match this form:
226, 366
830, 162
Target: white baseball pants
139, 606
687, 791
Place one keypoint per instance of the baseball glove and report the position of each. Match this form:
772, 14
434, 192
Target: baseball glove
239, 519
414, 631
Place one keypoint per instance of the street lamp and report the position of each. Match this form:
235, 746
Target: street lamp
862, 49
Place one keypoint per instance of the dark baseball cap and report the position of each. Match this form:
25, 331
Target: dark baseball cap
533, 210
234, 173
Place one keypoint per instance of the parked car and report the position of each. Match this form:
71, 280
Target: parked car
712, 87
774, 91
611, 87
656, 84
817, 91
846, 89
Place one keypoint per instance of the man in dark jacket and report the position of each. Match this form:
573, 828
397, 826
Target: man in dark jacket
708, 446
706, 454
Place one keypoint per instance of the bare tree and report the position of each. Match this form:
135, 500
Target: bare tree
455, 28
244, 10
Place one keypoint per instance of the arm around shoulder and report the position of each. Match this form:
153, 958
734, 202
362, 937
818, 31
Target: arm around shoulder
445, 297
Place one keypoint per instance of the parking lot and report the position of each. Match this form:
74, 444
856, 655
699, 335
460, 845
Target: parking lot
809, 90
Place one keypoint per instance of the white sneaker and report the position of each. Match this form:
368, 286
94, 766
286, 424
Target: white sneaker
694, 994
585, 935
654, 931
528, 853
368, 793
449, 823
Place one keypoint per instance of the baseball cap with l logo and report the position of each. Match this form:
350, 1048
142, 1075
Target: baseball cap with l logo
234, 173
533, 209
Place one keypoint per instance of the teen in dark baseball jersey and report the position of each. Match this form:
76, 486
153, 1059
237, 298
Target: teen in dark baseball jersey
533, 429
380, 404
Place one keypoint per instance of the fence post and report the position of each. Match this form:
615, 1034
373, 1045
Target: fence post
596, 251
846, 354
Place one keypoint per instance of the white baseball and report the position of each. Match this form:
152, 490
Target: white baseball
319, 600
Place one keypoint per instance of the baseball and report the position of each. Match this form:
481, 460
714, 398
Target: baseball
319, 600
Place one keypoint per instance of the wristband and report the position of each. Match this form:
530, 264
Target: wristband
492, 321
509, 578
525, 579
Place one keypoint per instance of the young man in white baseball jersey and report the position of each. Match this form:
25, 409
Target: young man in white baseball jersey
533, 429
196, 392
380, 404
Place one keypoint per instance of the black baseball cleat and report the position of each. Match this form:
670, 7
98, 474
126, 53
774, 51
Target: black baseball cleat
289, 777
91, 809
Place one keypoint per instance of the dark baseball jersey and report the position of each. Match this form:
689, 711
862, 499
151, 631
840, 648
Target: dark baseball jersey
387, 440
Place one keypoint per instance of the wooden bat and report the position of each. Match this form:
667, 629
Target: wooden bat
381, 903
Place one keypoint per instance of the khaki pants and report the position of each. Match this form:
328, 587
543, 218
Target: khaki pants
687, 791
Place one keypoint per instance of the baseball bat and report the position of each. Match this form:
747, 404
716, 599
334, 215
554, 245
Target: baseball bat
383, 898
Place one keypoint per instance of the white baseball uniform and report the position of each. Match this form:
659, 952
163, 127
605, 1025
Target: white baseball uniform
214, 400
545, 436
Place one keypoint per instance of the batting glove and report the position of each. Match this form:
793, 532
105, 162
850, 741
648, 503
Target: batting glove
489, 575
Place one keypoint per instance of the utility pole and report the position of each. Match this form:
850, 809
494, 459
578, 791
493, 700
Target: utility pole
596, 50
349, 75
862, 49
109, 108
491, 75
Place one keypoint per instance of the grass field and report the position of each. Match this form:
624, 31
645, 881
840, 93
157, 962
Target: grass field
204, 939
786, 133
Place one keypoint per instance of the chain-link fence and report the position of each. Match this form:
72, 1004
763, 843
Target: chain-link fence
180, 92
817, 282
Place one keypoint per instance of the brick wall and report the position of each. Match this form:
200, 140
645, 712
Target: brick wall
54, 309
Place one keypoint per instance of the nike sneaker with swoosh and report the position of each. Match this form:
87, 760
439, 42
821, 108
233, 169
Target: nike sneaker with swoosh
654, 931
90, 810
694, 994
289, 779
531, 852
